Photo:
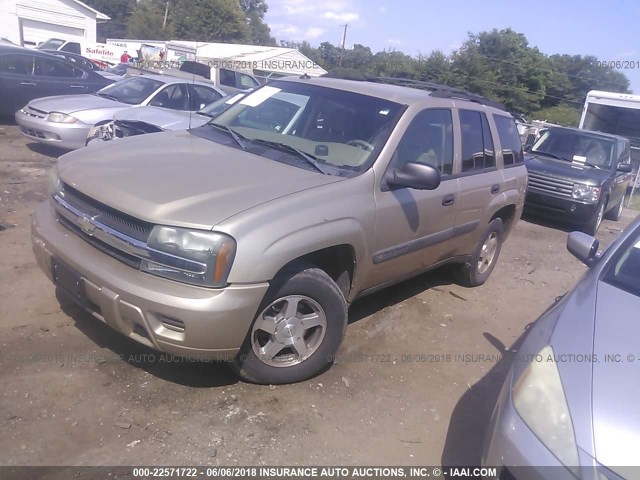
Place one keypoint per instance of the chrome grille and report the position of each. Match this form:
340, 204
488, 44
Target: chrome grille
544, 183
115, 219
34, 112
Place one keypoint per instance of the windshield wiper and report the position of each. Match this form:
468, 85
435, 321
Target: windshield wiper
235, 135
553, 155
106, 95
307, 157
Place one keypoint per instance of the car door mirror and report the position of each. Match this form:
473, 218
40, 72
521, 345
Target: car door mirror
420, 176
584, 247
624, 168
527, 148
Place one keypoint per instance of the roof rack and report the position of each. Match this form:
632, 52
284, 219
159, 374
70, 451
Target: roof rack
437, 90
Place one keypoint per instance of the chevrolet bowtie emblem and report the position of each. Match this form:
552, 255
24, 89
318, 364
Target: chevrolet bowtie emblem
86, 225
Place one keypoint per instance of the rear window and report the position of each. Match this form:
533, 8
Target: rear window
509, 139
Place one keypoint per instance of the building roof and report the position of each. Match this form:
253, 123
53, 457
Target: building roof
285, 61
99, 15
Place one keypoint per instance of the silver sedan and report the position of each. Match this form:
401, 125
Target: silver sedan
569, 406
65, 121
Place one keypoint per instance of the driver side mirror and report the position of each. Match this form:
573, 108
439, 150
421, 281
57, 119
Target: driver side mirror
584, 247
527, 148
624, 168
420, 176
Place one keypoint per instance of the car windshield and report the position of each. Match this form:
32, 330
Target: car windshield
576, 146
335, 128
133, 91
220, 105
624, 271
51, 44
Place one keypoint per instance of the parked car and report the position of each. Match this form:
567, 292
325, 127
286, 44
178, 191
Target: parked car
234, 241
570, 399
82, 62
578, 176
65, 121
140, 120
26, 74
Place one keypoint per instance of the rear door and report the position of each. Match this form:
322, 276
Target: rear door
479, 179
58, 77
17, 84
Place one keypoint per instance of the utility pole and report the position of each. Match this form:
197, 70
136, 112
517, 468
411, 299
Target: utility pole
344, 39
166, 12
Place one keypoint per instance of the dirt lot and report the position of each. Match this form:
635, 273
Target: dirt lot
75, 393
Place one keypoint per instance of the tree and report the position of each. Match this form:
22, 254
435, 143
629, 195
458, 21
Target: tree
147, 20
560, 114
259, 32
119, 11
209, 21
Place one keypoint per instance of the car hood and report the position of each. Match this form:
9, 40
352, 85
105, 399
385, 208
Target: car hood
175, 178
616, 416
162, 117
74, 103
563, 168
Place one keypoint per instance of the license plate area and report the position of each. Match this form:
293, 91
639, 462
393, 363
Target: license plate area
68, 280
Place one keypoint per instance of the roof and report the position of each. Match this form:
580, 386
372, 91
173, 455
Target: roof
395, 93
99, 15
614, 95
170, 80
589, 132
287, 61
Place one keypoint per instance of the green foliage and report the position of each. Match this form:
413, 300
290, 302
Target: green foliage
259, 32
560, 114
119, 11
146, 21
209, 21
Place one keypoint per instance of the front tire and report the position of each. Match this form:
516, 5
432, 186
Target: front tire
592, 227
616, 213
483, 260
297, 332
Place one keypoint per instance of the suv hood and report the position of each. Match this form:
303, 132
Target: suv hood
74, 103
561, 168
175, 178
616, 416
163, 118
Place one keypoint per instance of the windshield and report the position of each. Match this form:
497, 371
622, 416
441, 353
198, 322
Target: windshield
624, 271
133, 91
342, 130
220, 105
51, 44
576, 147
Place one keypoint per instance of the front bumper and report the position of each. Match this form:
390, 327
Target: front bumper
162, 314
69, 136
554, 207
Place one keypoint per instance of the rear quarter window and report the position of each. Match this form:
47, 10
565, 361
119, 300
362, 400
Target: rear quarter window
512, 153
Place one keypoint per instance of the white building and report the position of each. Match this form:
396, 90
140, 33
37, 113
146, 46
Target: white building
29, 22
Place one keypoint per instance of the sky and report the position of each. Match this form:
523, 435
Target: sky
607, 30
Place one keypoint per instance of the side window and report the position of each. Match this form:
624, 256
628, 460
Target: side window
509, 139
72, 47
174, 97
477, 144
16, 64
51, 67
624, 152
227, 78
245, 82
201, 96
429, 139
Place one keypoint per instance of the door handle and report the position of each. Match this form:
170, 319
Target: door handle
448, 199
495, 188
28, 83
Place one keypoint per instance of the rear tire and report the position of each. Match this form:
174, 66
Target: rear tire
297, 331
483, 260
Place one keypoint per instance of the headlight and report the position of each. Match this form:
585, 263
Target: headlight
539, 398
57, 117
195, 257
586, 193
104, 131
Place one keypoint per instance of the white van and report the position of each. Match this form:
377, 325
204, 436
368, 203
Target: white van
100, 52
